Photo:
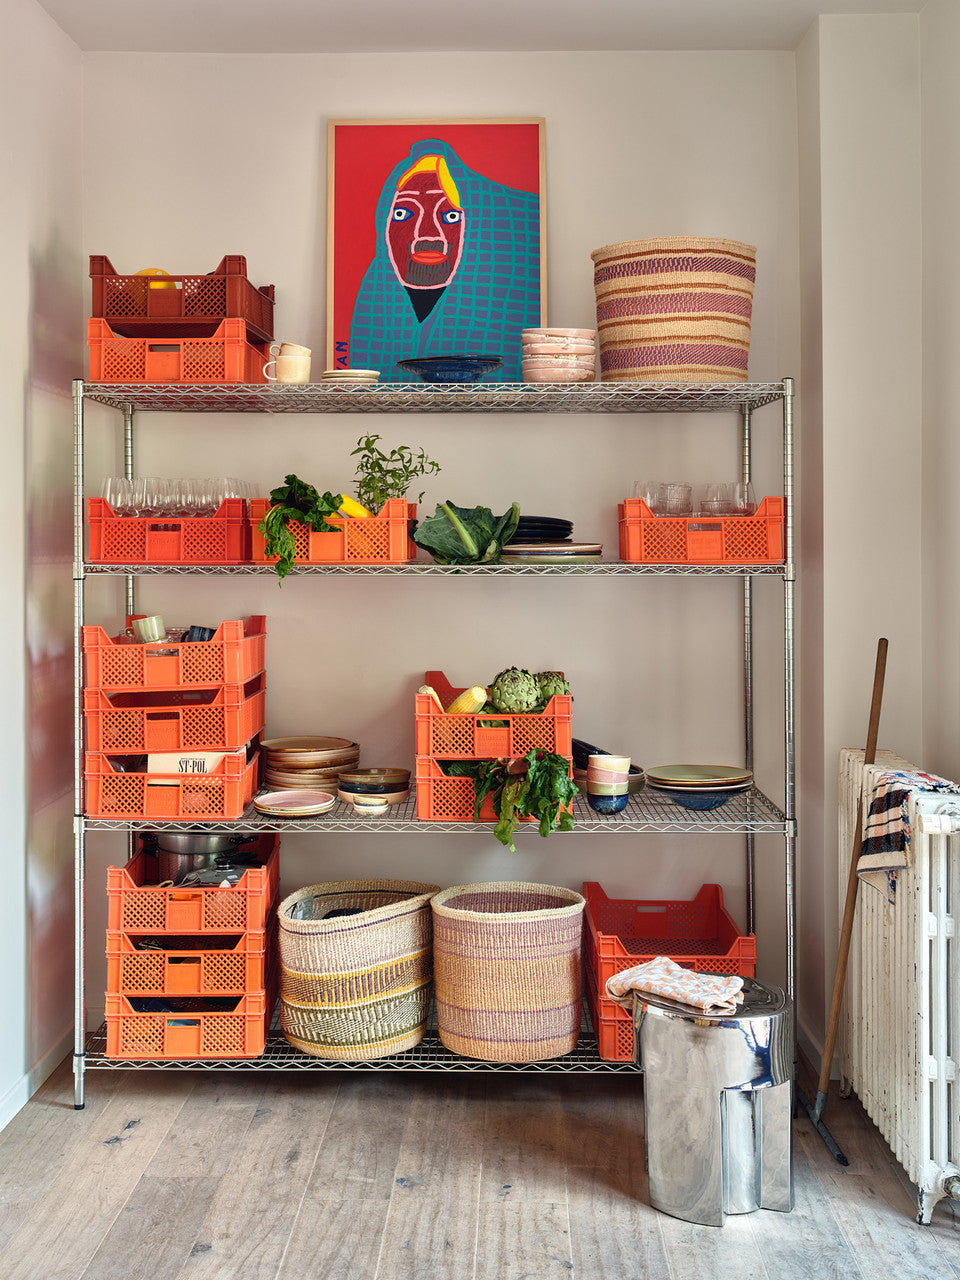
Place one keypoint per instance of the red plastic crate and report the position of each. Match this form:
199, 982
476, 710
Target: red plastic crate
203, 1029
223, 538
234, 655
226, 356
380, 539
444, 799
136, 903
488, 735
221, 794
191, 965
620, 933
649, 539
145, 306
204, 719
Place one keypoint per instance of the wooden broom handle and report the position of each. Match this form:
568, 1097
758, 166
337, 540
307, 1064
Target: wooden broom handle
853, 880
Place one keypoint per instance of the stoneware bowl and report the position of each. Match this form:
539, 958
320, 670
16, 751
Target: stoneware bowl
607, 804
451, 368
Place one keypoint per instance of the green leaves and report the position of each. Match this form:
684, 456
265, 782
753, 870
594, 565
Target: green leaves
466, 535
298, 501
388, 475
537, 785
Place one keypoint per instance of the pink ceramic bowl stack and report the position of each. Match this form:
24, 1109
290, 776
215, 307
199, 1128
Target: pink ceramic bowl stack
559, 355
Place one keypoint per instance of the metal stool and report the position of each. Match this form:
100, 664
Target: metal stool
718, 1103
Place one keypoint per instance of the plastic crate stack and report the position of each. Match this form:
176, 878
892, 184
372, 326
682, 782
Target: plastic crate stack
172, 730
211, 328
486, 736
192, 970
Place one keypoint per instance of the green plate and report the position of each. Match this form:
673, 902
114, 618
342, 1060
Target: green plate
697, 775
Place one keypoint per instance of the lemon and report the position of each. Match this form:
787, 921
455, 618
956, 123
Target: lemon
156, 271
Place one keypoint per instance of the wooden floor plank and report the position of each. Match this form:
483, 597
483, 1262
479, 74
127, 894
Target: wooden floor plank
68, 1223
250, 1220
439, 1162
603, 1142
212, 1126
335, 1240
523, 1141
358, 1157
709, 1253
524, 1240
155, 1230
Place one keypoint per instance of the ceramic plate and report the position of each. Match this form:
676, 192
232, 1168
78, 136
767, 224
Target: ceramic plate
716, 789
310, 742
300, 804
693, 775
531, 557
561, 548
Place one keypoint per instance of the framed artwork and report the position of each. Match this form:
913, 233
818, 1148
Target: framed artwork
435, 241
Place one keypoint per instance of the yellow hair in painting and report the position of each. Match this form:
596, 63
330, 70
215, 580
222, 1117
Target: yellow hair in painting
438, 165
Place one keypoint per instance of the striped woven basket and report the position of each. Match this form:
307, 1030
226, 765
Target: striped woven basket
356, 986
507, 970
674, 310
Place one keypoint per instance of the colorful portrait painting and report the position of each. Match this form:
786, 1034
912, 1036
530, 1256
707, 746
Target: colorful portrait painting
435, 241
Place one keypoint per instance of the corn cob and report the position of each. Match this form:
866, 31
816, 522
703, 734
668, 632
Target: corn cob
468, 702
430, 692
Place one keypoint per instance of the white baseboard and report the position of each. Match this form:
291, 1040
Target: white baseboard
20, 1093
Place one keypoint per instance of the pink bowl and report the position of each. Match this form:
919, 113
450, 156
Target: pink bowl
606, 775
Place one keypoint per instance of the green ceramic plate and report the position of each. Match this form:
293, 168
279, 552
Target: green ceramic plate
697, 775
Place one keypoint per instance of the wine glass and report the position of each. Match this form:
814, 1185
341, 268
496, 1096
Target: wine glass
117, 491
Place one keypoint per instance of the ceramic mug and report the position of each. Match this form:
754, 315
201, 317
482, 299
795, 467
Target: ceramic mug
149, 629
289, 368
288, 349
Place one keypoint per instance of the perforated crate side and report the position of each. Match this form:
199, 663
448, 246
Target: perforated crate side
188, 965
220, 795
145, 306
223, 538
380, 539
488, 735
180, 1035
234, 655
227, 356
441, 798
230, 718
137, 903
612, 1025
649, 539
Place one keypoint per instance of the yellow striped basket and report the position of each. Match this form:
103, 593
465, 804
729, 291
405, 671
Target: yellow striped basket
676, 309
356, 967
507, 970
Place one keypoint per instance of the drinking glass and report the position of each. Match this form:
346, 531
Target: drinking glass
647, 491
118, 492
717, 500
744, 501
674, 498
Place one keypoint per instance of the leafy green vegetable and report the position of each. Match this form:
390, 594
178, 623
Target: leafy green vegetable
537, 785
388, 475
300, 502
466, 535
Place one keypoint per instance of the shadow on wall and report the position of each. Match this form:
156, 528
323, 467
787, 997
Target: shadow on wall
55, 358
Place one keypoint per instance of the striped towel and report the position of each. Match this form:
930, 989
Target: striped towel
662, 976
885, 847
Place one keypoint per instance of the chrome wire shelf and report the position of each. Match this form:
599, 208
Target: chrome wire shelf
647, 810
603, 568
474, 397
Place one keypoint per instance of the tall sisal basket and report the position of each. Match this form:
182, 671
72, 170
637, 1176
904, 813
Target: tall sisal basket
507, 970
674, 310
356, 986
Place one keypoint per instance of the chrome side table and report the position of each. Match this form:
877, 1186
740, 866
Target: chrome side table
718, 1104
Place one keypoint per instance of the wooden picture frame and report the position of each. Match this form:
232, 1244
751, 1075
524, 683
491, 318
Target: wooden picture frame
436, 241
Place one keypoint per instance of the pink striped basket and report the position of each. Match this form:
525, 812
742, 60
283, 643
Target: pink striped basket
676, 309
507, 970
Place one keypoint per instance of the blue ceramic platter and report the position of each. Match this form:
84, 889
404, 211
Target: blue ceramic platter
451, 368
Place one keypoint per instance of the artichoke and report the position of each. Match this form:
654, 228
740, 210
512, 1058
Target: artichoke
550, 683
514, 690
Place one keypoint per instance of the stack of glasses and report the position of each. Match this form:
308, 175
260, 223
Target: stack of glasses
176, 497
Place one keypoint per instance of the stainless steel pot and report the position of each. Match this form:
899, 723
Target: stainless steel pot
180, 852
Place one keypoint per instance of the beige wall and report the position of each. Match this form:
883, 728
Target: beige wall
178, 179
39, 350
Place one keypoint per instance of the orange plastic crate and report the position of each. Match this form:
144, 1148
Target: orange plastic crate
220, 539
234, 655
444, 799
227, 356
217, 1027
612, 1025
136, 903
380, 539
144, 306
221, 794
489, 735
181, 720
649, 539
191, 965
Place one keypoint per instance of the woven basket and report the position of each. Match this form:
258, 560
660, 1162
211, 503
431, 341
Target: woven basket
357, 986
674, 310
507, 970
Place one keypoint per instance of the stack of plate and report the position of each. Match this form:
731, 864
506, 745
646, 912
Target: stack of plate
559, 355
699, 786
542, 529
551, 552
350, 376
294, 804
307, 762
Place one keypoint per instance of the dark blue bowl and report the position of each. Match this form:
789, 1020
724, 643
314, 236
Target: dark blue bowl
696, 799
608, 804
451, 368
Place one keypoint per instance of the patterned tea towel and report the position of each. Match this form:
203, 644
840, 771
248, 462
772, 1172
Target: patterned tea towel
885, 847
662, 976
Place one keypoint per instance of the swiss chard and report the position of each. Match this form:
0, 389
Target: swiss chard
537, 785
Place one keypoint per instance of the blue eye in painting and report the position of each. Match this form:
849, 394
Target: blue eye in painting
451, 216
401, 215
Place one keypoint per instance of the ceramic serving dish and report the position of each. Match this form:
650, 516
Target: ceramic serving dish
451, 368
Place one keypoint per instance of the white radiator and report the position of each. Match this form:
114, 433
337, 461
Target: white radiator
899, 1033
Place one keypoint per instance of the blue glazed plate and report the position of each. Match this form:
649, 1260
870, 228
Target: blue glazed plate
451, 368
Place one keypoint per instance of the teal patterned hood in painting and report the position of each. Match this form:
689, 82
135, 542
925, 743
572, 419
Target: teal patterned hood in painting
493, 296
